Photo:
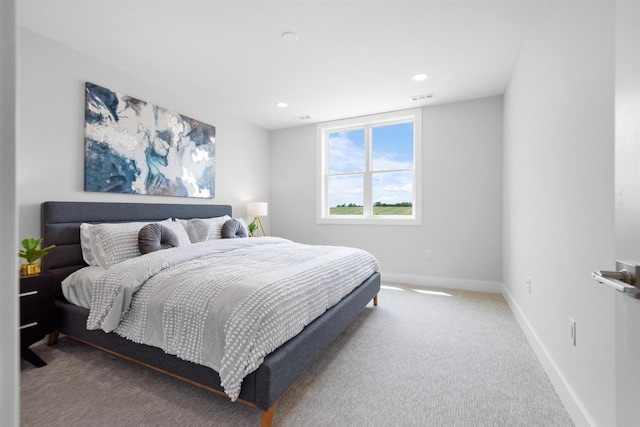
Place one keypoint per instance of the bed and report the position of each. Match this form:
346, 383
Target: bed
263, 386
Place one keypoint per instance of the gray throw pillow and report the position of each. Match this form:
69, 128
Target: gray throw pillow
153, 237
232, 229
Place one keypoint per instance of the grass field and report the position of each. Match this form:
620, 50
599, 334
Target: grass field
347, 210
377, 210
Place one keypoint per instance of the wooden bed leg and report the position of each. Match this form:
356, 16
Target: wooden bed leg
53, 338
375, 301
267, 416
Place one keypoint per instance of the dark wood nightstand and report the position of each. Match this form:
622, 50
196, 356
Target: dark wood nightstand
37, 297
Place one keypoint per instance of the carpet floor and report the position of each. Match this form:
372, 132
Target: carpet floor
421, 358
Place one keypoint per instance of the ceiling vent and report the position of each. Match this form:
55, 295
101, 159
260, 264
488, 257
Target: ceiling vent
423, 97
302, 117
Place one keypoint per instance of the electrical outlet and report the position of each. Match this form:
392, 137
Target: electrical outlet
572, 331
427, 253
529, 284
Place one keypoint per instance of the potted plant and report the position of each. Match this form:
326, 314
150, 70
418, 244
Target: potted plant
252, 228
31, 253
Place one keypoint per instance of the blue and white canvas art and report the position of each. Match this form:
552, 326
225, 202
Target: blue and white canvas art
133, 146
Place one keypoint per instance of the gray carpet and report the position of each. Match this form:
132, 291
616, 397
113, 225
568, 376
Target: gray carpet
448, 358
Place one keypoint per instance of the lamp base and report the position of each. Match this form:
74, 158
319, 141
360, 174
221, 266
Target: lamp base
259, 224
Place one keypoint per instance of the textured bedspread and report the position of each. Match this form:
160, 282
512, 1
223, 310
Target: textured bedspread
227, 303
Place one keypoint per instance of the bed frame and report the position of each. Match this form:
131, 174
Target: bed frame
260, 389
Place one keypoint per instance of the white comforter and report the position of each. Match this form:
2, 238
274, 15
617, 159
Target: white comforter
227, 303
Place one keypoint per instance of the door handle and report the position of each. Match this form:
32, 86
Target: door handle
617, 284
622, 280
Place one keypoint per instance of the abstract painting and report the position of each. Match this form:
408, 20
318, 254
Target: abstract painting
132, 146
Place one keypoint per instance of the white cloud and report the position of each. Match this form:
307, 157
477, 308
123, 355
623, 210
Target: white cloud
392, 187
386, 162
345, 155
345, 190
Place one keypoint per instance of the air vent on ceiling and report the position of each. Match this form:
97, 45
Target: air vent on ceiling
302, 117
423, 97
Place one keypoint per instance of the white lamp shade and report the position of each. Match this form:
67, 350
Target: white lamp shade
258, 209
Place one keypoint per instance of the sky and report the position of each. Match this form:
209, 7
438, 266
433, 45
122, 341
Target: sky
392, 150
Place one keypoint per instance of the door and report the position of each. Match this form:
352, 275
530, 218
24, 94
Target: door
627, 158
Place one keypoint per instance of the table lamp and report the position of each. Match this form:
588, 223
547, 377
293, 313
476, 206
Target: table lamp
256, 210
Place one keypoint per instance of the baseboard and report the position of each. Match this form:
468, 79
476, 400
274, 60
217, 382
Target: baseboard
570, 400
442, 282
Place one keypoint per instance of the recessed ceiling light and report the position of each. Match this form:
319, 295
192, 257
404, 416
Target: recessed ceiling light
419, 77
289, 36
282, 105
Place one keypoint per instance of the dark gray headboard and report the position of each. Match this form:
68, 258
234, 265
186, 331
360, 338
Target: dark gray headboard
61, 225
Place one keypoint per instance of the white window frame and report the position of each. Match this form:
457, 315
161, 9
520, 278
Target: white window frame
324, 129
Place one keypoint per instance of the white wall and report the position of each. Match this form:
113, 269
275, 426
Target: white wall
9, 356
559, 207
462, 200
51, 149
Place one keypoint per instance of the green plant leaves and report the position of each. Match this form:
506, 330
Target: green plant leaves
31, 252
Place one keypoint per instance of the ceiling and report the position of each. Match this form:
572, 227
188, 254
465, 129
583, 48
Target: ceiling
351, 58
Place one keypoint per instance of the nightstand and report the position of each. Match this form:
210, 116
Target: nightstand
37, 297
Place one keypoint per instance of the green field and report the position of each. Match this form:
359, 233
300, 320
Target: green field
377, 210
346, 210
392, 210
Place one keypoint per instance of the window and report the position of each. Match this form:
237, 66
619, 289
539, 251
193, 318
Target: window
369, 171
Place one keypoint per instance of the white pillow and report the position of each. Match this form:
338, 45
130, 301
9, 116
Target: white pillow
114, 243
203, 229
86, 242
186, 224
78, 286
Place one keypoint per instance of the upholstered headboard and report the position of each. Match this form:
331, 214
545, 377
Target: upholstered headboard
61, 225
